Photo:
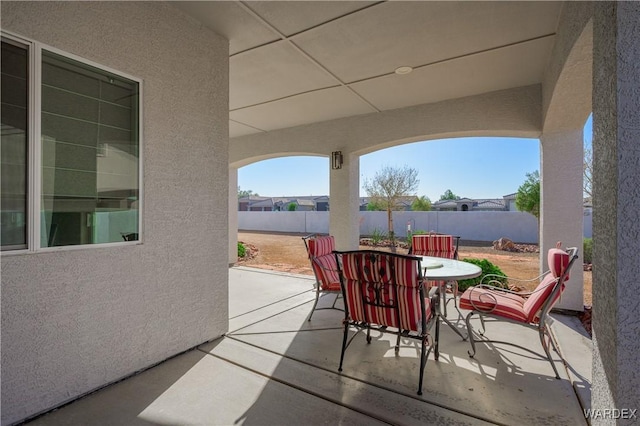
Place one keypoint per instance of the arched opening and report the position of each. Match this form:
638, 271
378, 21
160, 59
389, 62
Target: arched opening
282, 177
477, 168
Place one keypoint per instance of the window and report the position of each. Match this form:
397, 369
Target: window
86, 190
13, 151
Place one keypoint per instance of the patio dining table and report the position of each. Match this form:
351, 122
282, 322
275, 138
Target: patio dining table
443, 270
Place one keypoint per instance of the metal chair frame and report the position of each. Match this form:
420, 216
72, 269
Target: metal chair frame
543, 324
423, 336
319, 291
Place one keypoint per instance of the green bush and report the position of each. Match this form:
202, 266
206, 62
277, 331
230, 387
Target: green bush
587, 250
377, 237
487, 268
242, 251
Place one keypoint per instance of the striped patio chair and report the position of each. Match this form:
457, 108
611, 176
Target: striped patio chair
323, 263
529, 309
438, 245
386, 292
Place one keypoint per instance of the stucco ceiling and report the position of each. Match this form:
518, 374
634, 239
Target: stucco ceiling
293, 63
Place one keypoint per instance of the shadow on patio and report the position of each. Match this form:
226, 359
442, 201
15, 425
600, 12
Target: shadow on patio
274, 367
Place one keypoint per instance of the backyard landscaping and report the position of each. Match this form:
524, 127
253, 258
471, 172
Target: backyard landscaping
286, 253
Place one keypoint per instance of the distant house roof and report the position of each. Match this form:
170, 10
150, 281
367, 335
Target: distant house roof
302, 202
267, 202
490, 204
474, 204
445, 204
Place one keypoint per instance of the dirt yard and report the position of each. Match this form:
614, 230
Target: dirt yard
286, 253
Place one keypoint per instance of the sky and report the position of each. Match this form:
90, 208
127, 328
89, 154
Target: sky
470, 167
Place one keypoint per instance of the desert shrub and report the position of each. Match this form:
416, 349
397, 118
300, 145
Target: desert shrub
378, 236
487, 268
587, 250
242, 251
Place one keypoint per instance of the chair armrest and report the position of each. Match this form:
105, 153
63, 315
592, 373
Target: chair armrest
498, 289
494, 279
484, 298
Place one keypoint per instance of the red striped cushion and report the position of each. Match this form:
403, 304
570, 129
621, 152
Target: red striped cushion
433, 245
373, 292
319, 246
558, 260
534, 303
495, 302
327, 272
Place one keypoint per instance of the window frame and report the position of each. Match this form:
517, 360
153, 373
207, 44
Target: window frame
34, 146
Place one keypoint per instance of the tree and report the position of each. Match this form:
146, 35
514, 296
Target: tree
587, 170
245, 193
528, 196
421, 204
448, 195
292, 207
375, 206
388, 186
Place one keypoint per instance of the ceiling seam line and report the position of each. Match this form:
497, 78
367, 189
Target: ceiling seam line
290, 42
302, 93
248, 125
453, 58
280, 34
336, 18
284, 97
301, 51
323, 68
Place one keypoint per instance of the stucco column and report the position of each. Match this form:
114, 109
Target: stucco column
233, 215
561, 208
616, 207
344, 203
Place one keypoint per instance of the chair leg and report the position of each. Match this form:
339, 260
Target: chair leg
545, 346
436, 343
443, 291
484, 327
472, 352
333, 306
316, 302
454, 287
344, 344
423, 362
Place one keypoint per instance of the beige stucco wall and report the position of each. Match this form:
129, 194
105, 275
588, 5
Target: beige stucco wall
75, 320
616, 132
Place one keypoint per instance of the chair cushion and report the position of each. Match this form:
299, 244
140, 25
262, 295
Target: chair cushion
557, 259
319, 246
380, 287
433, 245
326, 271
408, 303
534, 303
506, 305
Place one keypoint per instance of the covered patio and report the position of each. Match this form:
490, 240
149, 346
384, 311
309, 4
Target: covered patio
225, 84
275, 367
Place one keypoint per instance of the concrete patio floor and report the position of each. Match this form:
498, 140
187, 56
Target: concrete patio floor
276, 368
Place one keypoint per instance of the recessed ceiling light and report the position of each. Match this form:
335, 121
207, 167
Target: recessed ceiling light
403, 70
